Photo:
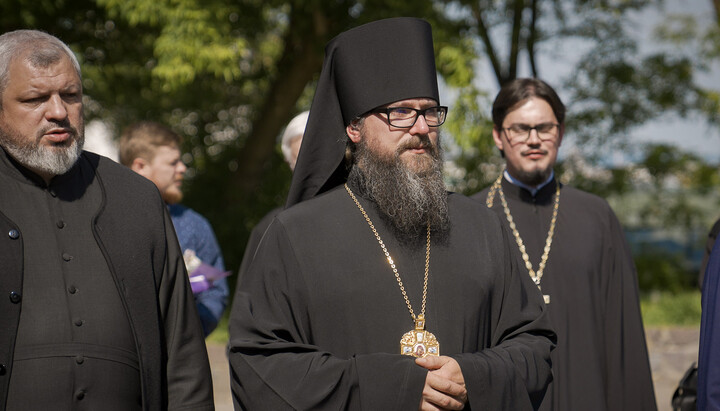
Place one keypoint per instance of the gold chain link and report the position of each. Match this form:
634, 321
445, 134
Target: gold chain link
392, 263
536, 277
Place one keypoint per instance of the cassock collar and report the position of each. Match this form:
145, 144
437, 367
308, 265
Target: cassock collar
12, 168
533, 190
543, 194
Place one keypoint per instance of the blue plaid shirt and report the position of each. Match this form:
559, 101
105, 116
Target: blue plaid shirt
195, 233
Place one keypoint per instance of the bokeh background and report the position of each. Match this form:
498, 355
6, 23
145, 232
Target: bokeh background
641, 79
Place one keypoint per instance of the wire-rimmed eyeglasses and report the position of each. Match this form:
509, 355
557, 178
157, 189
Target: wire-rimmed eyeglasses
518, 133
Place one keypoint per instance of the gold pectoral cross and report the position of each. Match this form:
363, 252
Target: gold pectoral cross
419, 342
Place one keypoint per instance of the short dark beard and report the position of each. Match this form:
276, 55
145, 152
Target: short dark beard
408, 199
533, 178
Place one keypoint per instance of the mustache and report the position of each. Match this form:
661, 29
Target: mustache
534, 150
64, 124
417, 142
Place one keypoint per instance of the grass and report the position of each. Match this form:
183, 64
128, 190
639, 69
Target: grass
220, 335
666, 309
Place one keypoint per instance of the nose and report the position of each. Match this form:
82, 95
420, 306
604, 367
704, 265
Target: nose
181, 167
420, 126
56, 109
533, 137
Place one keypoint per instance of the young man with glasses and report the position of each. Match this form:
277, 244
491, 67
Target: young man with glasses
574, 249
376, 289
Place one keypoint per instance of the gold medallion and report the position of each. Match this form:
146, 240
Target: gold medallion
419, 343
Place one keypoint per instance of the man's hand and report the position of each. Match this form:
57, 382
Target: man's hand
444, 385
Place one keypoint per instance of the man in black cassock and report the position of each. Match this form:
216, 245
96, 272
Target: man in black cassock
576, 253
290, 144
97, 312
352, 276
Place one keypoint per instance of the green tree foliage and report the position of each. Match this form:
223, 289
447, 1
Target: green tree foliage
667, 201
228, 75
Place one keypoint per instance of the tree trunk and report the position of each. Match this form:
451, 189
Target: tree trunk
302, 59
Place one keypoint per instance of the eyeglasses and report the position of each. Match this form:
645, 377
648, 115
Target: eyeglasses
405, 117
519, 133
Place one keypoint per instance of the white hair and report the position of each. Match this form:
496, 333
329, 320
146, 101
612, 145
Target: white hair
294, 129
44, 49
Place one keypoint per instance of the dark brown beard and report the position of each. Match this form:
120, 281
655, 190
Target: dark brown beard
408, 196
533, 178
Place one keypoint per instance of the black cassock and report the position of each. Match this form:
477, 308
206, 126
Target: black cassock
601, 360
318, 318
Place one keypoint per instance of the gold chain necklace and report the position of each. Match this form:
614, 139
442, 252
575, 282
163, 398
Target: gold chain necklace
536, 276
418, 342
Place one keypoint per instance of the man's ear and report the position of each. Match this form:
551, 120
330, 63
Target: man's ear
561, 132
497, 137
353, 131
140, 166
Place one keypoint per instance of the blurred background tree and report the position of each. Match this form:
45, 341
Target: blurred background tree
228, 75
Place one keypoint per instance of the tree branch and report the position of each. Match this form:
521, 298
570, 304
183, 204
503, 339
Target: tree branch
484, 34
532, 36
518, 6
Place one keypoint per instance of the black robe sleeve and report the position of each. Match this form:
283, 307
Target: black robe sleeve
189, 381
629, 380
514, 373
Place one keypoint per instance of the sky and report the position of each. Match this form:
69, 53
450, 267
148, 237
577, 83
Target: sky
692, 134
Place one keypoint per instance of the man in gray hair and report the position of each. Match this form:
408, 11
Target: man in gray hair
290, 143
99, 312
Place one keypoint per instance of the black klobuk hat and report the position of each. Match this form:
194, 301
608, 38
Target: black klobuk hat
364, 68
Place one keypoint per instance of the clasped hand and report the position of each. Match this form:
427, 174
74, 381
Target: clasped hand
444, 386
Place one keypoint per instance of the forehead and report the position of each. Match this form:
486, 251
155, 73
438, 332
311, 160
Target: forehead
166, 153
413, 102
531, 110
24, 75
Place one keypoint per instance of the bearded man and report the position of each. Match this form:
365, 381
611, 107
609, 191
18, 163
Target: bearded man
99, 313
153, 150
575, 250
376, 289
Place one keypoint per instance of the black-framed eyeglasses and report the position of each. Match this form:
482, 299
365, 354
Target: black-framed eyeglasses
519, 133
405, 117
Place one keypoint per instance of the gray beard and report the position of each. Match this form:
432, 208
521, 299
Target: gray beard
408, 200
52, 160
